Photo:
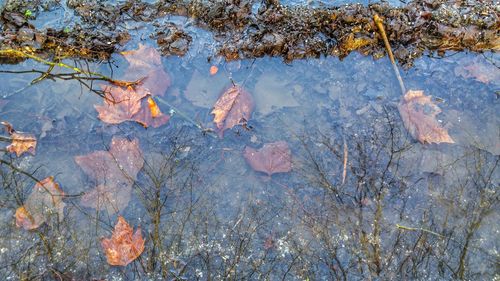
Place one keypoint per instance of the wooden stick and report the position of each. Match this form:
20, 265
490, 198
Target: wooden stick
380, 24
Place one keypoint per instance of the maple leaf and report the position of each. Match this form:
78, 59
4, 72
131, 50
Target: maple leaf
145, 62
43, 201
233, 107
124, 246
129, 104
112, 198
418, 113
272, 158
114, 171
120, 104
21, 142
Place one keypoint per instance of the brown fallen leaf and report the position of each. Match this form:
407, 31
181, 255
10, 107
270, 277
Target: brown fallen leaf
114, 172
120, 104
272, 158
44, 201
419, 117
129, 104
234, 107
145, 62
21, 142
124, 246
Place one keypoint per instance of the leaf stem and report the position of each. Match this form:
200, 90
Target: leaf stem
380, 24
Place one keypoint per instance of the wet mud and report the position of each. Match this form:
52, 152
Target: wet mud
252, 29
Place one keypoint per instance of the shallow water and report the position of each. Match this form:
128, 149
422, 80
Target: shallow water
363, 201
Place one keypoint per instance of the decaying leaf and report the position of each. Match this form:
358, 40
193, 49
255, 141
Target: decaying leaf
145, 62
124, 246
272, 158
129, 104
45, 200
112, 198
120, 104
21, 142
479, 69
114, 172
419, 117
234, 107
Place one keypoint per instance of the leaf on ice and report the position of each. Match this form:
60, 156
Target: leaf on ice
272, 158
45, 200
234, 107
419, 117
124, 246
21, 142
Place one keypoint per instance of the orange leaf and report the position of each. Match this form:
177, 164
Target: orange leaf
21, 142
234, 107
213, 70
43, 201
124, 246
150, 114
418, 113
272, 158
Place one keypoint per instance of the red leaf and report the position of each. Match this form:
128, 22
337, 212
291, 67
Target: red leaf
124, 246
43, 201
272, 158
234, 107
418, 113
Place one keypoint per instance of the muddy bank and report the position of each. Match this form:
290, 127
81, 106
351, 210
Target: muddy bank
251, 29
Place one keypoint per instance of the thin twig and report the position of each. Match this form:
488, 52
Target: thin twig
18, 53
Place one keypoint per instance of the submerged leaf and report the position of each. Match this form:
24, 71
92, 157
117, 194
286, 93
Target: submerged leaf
44, 200
145, 63
21, 142
234, 107
272, 158
114, 171
124, 246
419, 117
122, 105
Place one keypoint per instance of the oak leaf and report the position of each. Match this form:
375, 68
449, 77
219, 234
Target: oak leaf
479, 69
234, 107
114, 171
21, 142
44, 201
419, 117
272, 158
124, 246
